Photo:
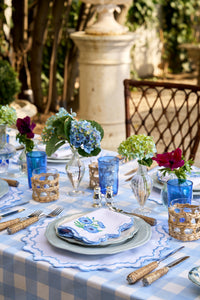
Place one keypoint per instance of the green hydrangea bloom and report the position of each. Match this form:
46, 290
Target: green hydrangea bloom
8, 115
139, 147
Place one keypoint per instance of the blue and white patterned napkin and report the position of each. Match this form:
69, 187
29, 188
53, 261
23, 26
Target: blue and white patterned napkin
95, 227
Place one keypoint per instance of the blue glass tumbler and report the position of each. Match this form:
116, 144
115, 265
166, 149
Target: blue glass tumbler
179, 188
108, 173
35, 159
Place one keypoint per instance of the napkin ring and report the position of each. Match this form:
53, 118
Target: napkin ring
45, 187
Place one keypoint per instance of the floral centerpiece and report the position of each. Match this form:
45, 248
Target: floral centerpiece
25, 137
83, 135
174, 176
174, 163
142, 148
25, 134
139, 147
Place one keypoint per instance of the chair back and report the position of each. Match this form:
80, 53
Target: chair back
169, 112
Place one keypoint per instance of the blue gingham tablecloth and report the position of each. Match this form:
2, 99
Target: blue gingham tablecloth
24, 275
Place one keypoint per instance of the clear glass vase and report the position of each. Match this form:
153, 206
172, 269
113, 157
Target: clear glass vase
22, 161
75, 170
142, 185
6, 150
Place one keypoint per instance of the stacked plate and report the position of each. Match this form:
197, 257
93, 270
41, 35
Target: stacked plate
4, 188
137, 235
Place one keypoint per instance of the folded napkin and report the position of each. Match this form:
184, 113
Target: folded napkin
61, 153
95, 227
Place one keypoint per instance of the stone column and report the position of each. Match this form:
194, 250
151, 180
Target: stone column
104, 63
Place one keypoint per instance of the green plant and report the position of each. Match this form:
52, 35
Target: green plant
9, 83
8, 115
177, 27
177, 20
141, 13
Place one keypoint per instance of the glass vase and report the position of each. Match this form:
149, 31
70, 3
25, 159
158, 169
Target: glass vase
75, 170
142, 185
22, 161
6, 150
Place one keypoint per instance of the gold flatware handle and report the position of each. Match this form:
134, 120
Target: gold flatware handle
21, 225
141, 272
128, 179
11, 182
150, 278
131, 172
6, 224
149, 220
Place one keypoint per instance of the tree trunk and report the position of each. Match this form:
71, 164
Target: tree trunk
37, 52
20, 41
57, 22
63, 101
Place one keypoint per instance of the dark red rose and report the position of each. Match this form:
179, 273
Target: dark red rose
25, 127
172, 160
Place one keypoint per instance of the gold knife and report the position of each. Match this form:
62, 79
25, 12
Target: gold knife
141, 272
150, 278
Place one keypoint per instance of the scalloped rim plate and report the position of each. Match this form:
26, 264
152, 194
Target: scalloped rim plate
124, 236
194, 275
4, 188
142, 237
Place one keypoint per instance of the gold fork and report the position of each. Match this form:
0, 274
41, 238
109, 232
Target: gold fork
6, 224
21, 225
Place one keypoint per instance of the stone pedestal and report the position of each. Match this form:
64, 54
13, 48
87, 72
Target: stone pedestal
104, 62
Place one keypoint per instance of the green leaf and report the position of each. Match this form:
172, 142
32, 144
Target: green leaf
97, 126
95, 152
67, 127
53, 144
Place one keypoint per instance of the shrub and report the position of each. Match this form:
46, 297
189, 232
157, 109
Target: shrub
9, 83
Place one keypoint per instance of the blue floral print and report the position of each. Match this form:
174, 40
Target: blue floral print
89, 224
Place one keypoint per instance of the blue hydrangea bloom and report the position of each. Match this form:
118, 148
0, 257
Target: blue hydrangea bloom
84, 135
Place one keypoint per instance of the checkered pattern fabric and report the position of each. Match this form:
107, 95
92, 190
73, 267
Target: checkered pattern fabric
23, 278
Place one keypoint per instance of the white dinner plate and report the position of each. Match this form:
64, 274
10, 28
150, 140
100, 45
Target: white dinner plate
140, 238
4, 188
124, 236
194, 275
58, 160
